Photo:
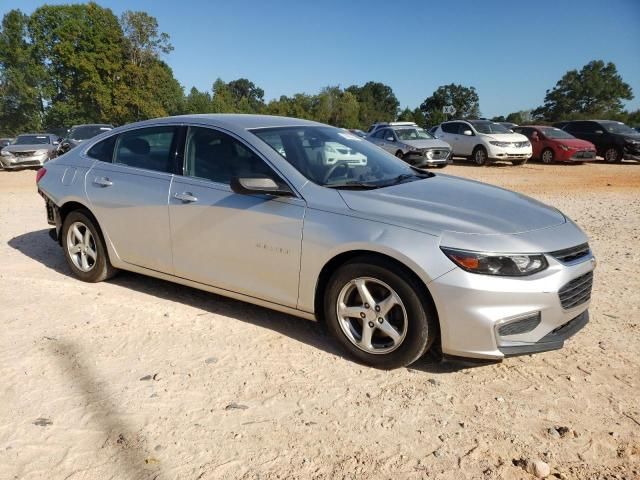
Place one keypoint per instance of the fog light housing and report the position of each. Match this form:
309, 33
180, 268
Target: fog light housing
517, 325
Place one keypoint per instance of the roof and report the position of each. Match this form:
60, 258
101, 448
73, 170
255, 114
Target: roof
242, 121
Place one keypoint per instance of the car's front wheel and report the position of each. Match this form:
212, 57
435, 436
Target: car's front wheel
84, 248
612, 155
377, 313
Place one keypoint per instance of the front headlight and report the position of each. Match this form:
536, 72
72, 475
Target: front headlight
500, 144
40, 152
5, 153
566, 148
507, 265
429, 154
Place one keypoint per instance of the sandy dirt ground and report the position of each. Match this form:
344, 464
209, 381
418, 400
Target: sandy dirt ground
138, 378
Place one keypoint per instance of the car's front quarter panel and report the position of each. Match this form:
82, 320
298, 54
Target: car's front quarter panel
328, 234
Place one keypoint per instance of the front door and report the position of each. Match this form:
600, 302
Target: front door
248, 244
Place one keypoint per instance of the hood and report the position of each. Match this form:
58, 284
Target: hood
574, 142
430, 143
28, 148
445, 203
506, 137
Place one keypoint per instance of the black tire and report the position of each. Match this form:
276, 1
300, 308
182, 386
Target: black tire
400, 155
612, 155
519, 162
547, 156
101, 268
421, 324
479, 156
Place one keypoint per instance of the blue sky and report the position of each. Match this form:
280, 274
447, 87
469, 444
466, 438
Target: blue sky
511, 51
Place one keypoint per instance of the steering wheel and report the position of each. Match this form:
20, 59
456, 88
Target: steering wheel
334, 169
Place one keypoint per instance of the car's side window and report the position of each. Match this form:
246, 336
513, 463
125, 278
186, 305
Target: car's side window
103, 150
149, 148
449, 128
380, 133
216, 156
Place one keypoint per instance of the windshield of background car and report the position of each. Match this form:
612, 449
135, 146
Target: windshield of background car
332, 157
412, 134
617, 127
32, 140
86, 132
555, 133
490, 127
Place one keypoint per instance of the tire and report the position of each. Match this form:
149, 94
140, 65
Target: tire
479, 156
612, 155
517, 163
413, 320
547, 156
90, 262
400, 155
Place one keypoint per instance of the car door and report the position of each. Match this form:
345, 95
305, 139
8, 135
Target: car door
128, 188
388, 140
536, 138
248, 244
450, 135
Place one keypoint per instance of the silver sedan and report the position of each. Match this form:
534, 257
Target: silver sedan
395, 260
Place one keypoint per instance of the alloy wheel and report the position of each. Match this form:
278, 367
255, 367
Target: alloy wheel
480, 156
611, 155
547, 156
371, 315
81, 247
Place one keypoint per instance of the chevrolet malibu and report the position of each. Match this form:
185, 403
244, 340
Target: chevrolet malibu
395, 260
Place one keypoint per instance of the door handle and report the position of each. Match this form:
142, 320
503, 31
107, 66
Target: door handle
185, 197
102, 181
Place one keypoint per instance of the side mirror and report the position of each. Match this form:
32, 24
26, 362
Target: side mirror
259, 184
468, 133
390, 139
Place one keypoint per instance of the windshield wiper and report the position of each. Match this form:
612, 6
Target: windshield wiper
354, 185
406, 176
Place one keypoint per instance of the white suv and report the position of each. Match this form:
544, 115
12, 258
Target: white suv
482, 141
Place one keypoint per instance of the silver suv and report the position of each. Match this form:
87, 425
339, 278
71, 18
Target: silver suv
412, 144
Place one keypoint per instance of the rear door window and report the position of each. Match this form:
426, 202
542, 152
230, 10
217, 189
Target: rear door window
103, 150
147, 148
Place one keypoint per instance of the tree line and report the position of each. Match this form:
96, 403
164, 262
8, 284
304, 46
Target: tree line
71, 64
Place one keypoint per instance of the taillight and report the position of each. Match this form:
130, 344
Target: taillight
40, 173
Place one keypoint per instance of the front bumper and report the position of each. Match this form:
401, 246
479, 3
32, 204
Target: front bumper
10, 162
472, 309
509, 153
419, 159
575, 155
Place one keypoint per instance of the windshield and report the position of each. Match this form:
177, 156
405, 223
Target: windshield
490, 127
555, 133
618, 127
86, 132
334, 158
412, 134
32, 140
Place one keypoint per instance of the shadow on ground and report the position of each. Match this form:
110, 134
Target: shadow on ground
39, 246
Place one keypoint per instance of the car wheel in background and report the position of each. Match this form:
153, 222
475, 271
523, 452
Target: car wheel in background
84, 248
400, 155
612, 155
479, 156
378, 313
547, 156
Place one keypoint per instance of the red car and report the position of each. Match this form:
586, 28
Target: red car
551, 144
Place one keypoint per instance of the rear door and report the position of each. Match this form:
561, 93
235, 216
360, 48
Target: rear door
450, 135
128, 190
388, 140
248, 244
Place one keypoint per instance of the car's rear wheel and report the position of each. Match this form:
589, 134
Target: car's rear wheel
612, 155
377, 313
547, 156
479, 156
84, 248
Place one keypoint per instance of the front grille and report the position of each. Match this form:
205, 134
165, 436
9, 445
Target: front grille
576, 292
438, 154
24, 154
568, 255
585, 154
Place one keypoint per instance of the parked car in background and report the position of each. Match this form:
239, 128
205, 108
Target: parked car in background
394, 260
29, 150
5, 141
330, 153
357, 132
551, 144
79, 133
483, 141
613, 140
432, 130
637, 129
412, 144
378, 125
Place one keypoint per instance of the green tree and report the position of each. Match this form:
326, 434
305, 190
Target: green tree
415, 115
377, 103
246, 96
197, 102
499, 118
21, 105
464, 99
521, 117
144, 43
597, 90
336, 107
